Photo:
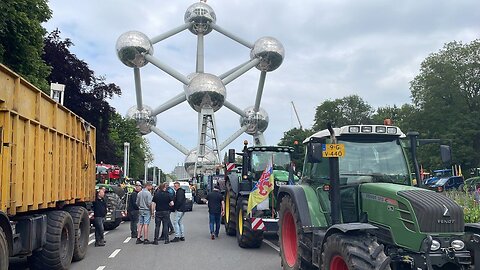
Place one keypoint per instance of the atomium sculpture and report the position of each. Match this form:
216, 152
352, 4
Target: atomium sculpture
206, 93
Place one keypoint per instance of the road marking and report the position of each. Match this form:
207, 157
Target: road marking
128, 239
105, 233
91, 241
91, 235
272, 245
122, 222
101, 267
114, 253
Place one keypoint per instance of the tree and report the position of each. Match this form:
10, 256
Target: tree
348, 110
294, 138
447, 93
403, 117
21, 39
85, 93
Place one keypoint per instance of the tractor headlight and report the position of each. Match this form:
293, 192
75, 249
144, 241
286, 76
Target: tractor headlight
435, 245
457, 244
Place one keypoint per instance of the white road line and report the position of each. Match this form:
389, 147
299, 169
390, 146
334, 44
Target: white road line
114, 253
106, 232
128, 239
272, 245
91, 241
91, 235
101, 267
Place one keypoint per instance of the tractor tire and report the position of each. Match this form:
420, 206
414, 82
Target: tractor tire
115, 203
81, 223
295, 247
230, 211
4, 254
349, 252
246, 236
57, 253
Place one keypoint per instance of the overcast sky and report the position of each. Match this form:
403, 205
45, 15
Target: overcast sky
333, 48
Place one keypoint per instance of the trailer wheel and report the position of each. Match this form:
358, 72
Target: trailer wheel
246, 236
57, 253
114, 203
81, 222
347, 252
295, 248
230, 207
4, 254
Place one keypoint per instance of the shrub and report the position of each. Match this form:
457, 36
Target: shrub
466, 200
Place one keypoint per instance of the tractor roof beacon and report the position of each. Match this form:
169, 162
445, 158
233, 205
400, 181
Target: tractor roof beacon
356, 208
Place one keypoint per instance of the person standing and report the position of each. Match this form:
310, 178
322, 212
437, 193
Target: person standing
132, 209
99, 213
162, 202
216, 209
179, 204
144, 203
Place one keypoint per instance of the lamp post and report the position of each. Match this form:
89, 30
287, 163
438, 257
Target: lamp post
126, 159
146, 170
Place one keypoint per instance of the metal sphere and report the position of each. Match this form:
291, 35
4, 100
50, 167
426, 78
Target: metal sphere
143, 118
208, 162
131, 47
205, 90
201, 15
256, 122
270, 51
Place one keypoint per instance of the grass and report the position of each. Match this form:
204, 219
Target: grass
466, 200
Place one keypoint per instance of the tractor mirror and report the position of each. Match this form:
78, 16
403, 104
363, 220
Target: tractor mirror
446, 153
231, 155
314, 152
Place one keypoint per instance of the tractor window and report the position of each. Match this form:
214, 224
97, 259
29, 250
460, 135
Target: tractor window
260, 161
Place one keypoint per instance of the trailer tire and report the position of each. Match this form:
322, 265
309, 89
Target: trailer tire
230, 208
115, 203
81, 223
360, 252
4, 254
246, 236
295, 247
57, 253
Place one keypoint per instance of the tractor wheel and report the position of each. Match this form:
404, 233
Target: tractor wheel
295, 247
81, 223
57, 253
4, 254
246, 237
230, 205
349, 252
114, 203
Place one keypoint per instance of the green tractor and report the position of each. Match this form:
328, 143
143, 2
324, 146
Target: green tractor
356, 208
238, 185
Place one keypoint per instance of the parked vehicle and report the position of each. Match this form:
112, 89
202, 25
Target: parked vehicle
448, 183
188, 194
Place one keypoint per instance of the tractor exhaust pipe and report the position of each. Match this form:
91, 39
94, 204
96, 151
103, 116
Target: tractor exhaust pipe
334, 182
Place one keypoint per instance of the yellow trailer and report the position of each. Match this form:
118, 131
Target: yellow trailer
47, 176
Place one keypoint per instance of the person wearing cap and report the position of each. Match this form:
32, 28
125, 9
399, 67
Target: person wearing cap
132, 209
144, 203
216, 209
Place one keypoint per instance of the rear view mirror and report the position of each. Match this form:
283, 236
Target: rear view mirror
314, 152
446, 153
231, 155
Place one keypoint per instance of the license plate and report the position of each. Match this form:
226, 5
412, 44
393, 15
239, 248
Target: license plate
331, 150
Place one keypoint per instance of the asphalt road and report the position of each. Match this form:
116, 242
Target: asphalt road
197, 252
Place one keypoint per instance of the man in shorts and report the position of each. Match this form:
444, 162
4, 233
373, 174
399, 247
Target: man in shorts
144, 203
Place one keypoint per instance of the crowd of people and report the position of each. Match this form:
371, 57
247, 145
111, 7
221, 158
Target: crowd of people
145, 204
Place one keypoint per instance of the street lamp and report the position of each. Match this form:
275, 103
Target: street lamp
146, 170
126, 159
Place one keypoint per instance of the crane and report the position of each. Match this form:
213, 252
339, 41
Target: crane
296, 113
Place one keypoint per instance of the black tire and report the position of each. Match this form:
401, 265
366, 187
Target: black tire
114, 203
296, 248
230, 211
246, 237
57, 253
4, 254
359, 252
81, 223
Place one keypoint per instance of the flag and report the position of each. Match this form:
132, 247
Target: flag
460, 170
261, 189
422, 172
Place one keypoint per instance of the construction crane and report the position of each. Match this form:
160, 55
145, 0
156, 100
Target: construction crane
296, 113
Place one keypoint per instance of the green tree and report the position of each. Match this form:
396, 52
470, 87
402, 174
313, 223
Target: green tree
447, 93
403, 117
345, 111
21, 39
294, 138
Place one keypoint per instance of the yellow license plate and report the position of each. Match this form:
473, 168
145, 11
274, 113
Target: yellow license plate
330, 150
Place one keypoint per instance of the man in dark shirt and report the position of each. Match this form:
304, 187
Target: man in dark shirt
216, 209
179, 203
162, 202
99, 213
132, 209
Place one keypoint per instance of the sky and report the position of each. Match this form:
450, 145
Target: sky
333, 48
